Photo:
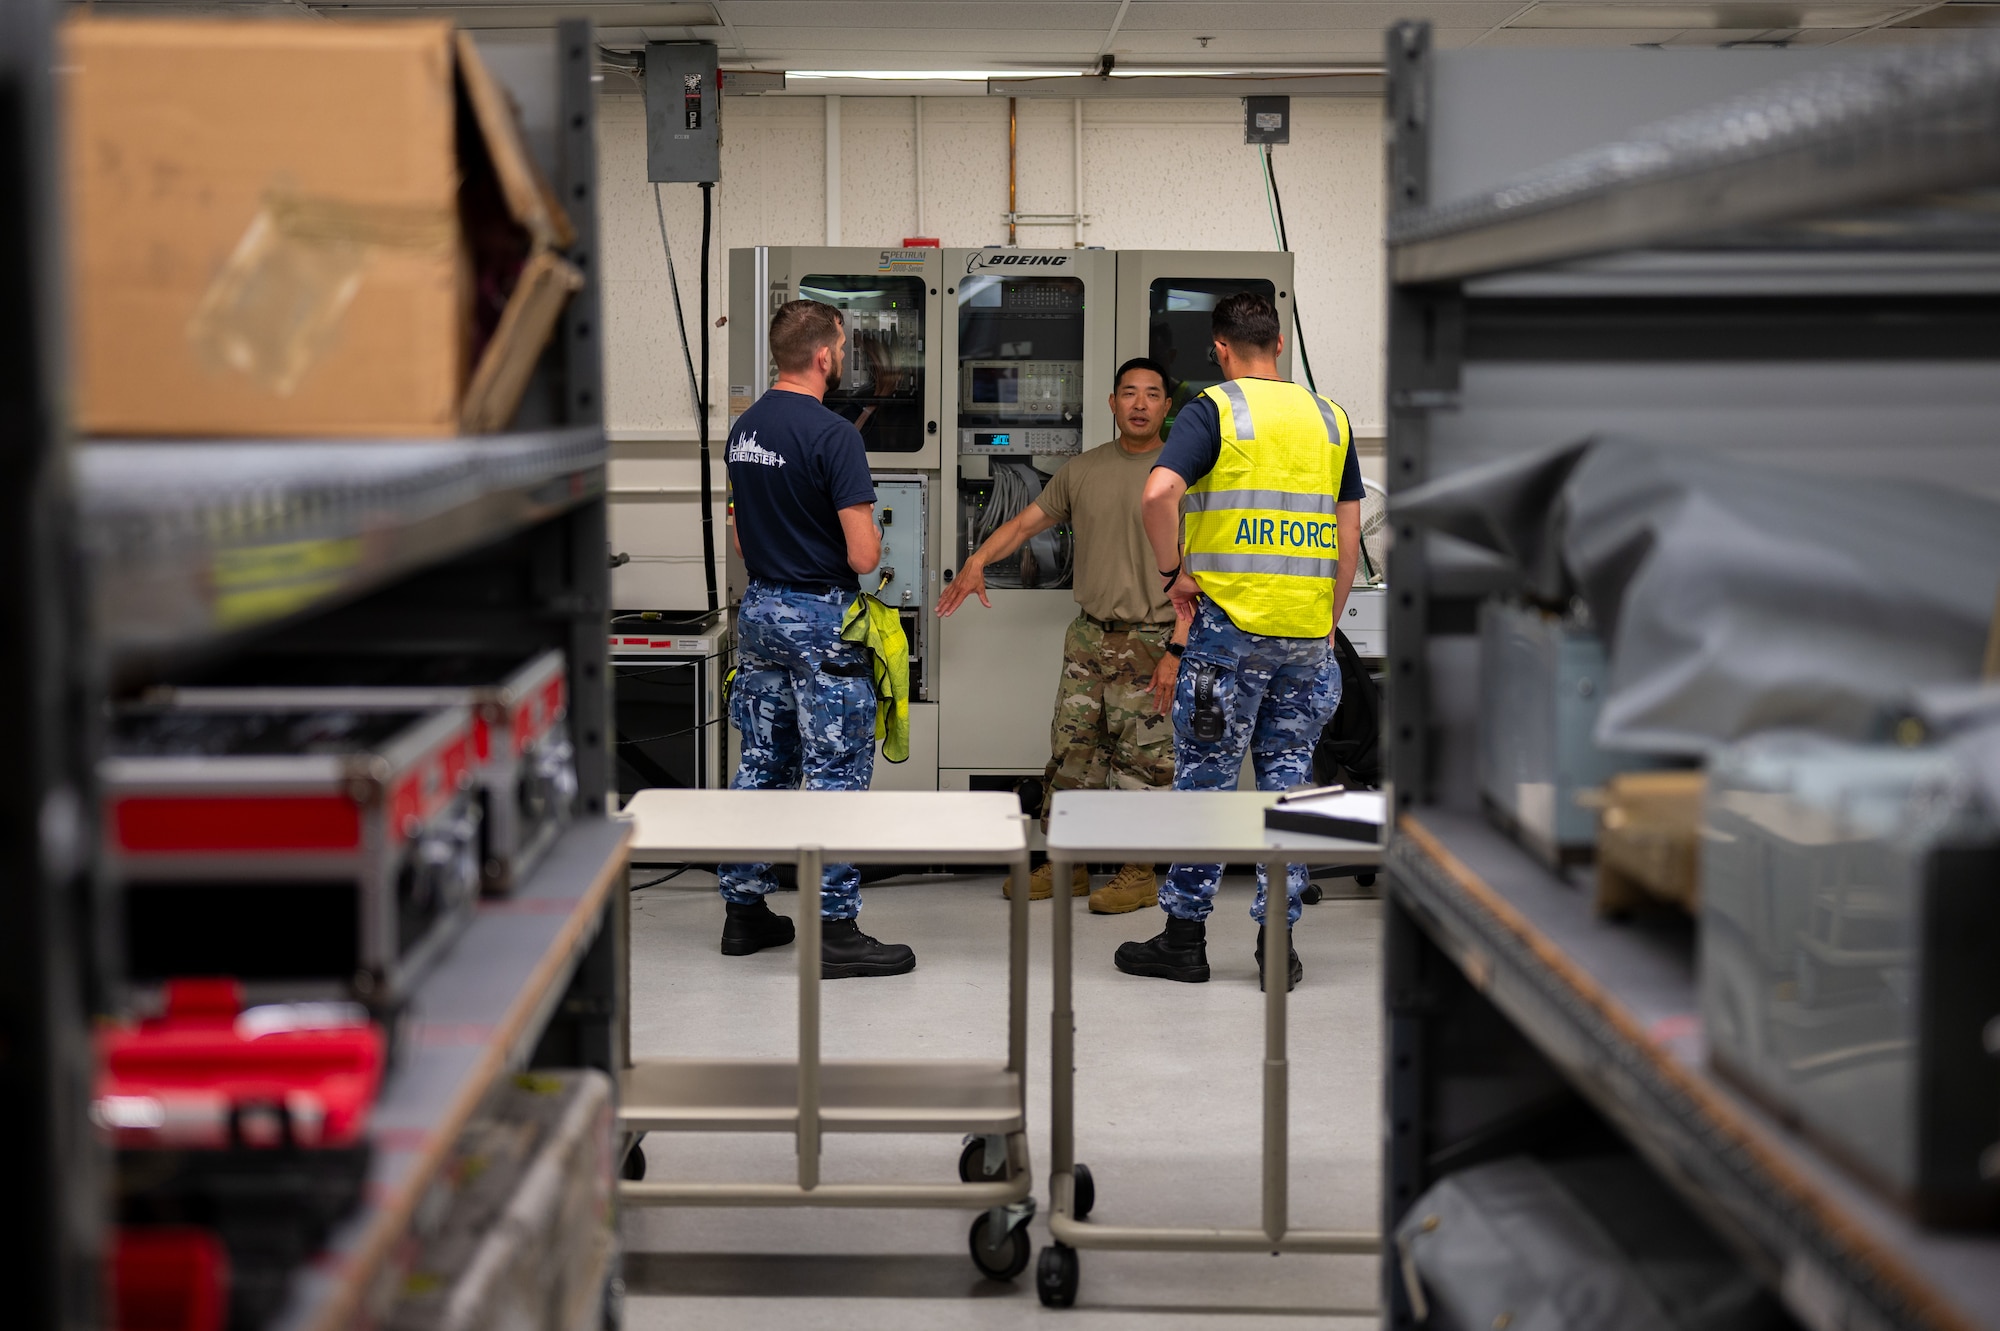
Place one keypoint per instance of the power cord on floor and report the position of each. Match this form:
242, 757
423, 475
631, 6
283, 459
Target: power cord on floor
678, 871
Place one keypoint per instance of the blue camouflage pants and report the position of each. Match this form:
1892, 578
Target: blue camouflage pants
805, 705
1277, 695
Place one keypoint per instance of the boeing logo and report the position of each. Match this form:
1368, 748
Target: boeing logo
986, 260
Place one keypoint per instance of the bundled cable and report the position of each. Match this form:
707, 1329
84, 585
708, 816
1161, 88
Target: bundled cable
1047, 560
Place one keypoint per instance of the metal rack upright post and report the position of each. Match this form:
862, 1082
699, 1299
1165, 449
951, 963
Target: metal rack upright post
52, 1169
1790, 255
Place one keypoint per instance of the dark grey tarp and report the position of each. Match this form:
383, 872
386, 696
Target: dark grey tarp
1736, 598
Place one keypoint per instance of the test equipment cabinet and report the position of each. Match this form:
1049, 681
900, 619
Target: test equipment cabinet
891, 302
1165, 298
1028, 348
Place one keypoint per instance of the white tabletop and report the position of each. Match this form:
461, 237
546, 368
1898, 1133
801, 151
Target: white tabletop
1196, 826
876, 826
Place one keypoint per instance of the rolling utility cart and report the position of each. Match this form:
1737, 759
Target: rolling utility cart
1193, 827
807, 1096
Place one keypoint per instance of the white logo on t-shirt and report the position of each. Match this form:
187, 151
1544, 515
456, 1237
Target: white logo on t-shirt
746, 449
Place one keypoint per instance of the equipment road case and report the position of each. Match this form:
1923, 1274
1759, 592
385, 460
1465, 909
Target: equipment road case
247, 1123
525, 777
526, 1241
1849, 925
309, 853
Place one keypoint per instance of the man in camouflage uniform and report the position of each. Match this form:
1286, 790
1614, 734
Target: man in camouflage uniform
803, 519
1121, 654
1270, 482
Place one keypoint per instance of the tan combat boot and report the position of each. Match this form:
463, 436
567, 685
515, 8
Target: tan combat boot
1041, 883
1134, 887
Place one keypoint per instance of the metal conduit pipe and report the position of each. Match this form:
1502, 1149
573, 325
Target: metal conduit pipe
1012, 137
1076, 153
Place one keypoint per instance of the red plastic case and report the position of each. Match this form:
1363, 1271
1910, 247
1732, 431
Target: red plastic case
168, 1278
248, 1123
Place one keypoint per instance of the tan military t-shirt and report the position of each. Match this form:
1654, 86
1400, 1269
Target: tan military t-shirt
1097, 493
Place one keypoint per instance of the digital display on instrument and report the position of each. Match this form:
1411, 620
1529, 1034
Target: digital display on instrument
984, 440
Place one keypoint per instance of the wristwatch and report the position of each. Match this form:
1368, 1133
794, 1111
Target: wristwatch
1177, 648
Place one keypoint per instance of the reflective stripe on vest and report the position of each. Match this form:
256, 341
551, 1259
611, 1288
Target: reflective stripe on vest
1262, 541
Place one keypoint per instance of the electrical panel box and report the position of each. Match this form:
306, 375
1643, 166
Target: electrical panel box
1165, 298
683, 106
903, 579
902, 508
1267, 120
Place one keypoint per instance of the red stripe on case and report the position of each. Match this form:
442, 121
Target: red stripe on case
264, 822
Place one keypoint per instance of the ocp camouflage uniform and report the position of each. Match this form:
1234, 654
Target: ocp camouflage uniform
1107, 734
805, 706
1277, 694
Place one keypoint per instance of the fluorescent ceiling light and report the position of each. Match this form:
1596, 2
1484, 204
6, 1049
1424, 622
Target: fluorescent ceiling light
909, 75
981, 75
1741, 17
1212, 71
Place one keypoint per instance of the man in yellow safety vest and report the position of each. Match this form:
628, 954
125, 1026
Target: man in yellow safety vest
1268, 472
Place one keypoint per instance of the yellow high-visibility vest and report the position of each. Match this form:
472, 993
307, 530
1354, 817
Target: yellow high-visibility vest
1261, 539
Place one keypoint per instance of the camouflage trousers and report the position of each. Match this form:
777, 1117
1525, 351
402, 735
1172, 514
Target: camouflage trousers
805, 705
1276, 694
1107, 735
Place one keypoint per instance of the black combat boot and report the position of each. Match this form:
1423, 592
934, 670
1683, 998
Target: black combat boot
753, 928
1180, 952
845, 953
1298, 970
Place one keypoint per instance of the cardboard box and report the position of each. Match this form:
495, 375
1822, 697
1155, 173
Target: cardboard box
1649, 841
300, 228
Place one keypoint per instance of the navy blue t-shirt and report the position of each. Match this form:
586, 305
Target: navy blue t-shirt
1195, 442
793, 465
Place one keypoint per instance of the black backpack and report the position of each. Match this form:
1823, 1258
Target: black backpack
1349, 751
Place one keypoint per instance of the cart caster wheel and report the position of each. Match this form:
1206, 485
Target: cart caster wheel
972, 1164
634, 1168
1006, 1261
1312, 895
1084, 1195
1365, 879
1056, 1276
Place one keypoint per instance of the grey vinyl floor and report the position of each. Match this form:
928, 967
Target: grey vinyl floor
1169, 1097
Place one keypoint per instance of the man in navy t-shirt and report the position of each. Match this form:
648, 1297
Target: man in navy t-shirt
803, 518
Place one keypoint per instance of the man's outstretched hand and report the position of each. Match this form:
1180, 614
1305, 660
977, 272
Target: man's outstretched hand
970, 579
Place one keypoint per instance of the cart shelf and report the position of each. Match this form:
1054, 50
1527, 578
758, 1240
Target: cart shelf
195, 541
478, 1014
856, 1095
1613, 1006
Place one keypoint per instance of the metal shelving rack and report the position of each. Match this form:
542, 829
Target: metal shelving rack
52, 1169
1787, 254
197, 548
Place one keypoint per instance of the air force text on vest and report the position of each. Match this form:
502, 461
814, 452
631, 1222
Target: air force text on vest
1285, 533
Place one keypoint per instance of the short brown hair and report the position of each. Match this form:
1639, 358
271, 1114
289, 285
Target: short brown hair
1245, 319
798, 330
